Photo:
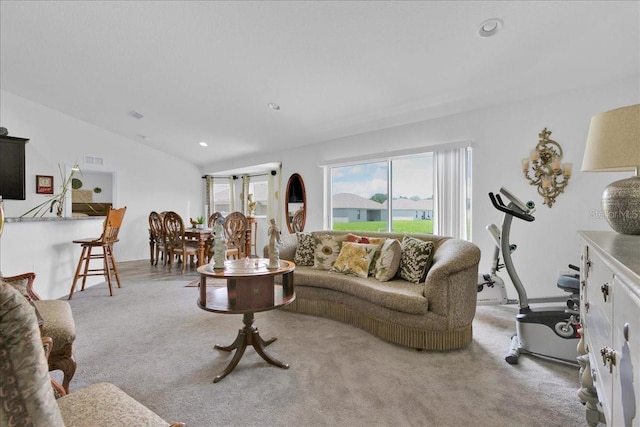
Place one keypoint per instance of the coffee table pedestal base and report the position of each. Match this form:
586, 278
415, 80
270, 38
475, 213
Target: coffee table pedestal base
248, 335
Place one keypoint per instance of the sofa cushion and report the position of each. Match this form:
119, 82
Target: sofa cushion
388, 262
58, 324
398, 295
25, 385
305, 249
327, 249
416, 259
355, 259
104, 404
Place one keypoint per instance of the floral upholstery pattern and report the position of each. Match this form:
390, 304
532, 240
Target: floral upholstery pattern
415, 260
21, 284
305, 249
56, 320
25, 386
355, 259
327, 249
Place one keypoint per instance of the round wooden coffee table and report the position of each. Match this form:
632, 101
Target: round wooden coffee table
250, 288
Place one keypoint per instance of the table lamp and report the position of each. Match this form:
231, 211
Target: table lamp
613, 145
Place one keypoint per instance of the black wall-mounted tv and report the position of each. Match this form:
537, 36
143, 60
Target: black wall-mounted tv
12, 168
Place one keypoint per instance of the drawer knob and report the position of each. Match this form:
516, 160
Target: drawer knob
605, 291
625, 331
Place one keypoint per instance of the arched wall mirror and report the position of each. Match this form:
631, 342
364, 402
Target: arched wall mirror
296, 203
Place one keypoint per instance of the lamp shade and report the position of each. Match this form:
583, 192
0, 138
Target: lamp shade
613, 144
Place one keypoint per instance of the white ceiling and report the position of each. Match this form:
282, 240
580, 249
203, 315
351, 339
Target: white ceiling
205, 71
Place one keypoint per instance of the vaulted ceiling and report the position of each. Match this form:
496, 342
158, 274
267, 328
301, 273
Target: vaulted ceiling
206, 71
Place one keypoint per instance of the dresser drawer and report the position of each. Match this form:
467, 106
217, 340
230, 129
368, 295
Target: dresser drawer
610, 316
626, 343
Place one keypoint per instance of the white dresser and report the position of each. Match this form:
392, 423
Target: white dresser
610, 316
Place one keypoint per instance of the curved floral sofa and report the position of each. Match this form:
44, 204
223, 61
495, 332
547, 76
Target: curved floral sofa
416, 290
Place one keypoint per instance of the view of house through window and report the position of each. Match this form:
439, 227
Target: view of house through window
396, 194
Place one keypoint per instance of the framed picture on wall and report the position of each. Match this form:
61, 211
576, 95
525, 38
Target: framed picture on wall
44, 184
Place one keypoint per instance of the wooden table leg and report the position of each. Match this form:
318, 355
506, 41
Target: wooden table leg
248, 335
201, 251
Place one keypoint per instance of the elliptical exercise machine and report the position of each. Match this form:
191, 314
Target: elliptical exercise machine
544, 331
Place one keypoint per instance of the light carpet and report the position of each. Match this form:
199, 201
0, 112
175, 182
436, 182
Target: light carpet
152, 340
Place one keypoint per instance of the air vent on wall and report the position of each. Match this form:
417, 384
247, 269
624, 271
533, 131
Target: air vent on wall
92, 160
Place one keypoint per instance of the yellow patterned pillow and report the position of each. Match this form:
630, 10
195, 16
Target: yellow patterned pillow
354, 259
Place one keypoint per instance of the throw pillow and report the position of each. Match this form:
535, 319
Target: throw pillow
354, 259
388, 262
305, 249
416, 259
375, 241
327, 249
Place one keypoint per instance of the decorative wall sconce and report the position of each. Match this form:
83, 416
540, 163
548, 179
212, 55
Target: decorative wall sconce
550, 175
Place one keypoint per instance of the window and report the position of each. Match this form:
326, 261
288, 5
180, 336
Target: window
420, 192
259, 189
221, 198
359, 196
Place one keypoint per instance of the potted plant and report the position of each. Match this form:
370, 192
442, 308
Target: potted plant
200, 222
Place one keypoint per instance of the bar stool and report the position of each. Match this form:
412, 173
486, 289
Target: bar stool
109, 236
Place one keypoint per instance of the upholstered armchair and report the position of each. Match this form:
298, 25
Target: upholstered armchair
56, 322
27, 395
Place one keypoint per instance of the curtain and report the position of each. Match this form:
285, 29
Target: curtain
450, 198
232, 194
245, 194
208, 196
274, 184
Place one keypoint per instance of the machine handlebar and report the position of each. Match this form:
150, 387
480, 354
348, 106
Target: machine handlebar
497, 202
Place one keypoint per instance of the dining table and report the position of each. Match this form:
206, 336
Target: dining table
202, 236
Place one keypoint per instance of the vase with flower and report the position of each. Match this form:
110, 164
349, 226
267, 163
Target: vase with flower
55, 201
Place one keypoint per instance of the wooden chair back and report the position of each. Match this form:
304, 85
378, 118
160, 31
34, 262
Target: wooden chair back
173, 229
214, 218
298, 220
112, 225
156, 226
235, 230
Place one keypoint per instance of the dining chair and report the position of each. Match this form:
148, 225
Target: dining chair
235, 230
109, 237
176, 242
213, 218
298, 220
157, 238
56, 322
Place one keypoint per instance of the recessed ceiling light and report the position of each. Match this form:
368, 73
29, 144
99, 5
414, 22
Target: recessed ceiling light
274, 106
204, 144
490, 27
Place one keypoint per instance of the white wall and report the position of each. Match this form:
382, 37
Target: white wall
147, 180
502, 136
